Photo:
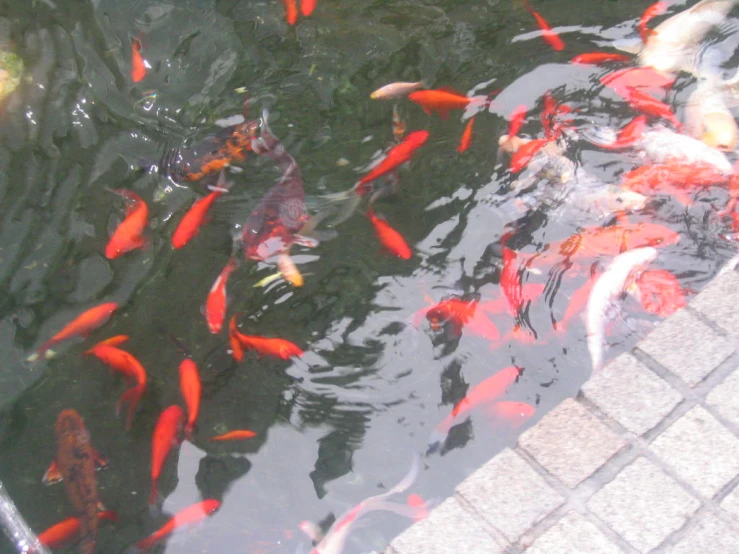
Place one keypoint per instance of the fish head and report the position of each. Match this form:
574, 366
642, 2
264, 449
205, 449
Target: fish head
720, 131
417, 138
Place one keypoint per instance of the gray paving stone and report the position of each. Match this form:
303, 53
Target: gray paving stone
701, 450
571, 443
509, 494
725, 397
687, 347
718, 302
448, 529
710, 534
631, 394
573, 534
731, 503
643, 504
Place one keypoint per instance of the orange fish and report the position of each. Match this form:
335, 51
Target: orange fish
526, 152
389, 237
215, 304
416, 501
191, 514
240, 434
578, 302
307, 7
659, 292
76, 461
166, 436
594, 58
83, 324
191, 222
485, 393
517, 118
514, 414
679, 179
277, 348
397, 155
127, 364
642, 78
128, 236
464, 142
138, 64
191, 389
629, 135
643, 102
237, 351
550, 36
461, 314
69, 529
658, 8
291, 11
443, 101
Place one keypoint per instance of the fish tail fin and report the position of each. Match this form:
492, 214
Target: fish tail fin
132, 396
52, 475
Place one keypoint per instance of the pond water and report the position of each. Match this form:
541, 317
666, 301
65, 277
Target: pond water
342, 422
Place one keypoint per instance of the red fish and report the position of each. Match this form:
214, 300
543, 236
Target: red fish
83, 324
215, 304
191, 222
526, 152
191, 389
485, 393
166, 436
69, 529
643, 102
307, 7
291, 11
127, 364
240, 434
397, 155
517, 118
464, 142
389, 237
138, 64
277, 348
679, 179
642, 78
443, 101
658, 8
460, 314
629, 135
237, 351
514, 414
578, 302
191, 514
129, 234
594, 58
659, 292
416, 501
76, 461
550, 36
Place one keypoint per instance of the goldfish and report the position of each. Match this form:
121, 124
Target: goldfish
263, 346
76, 462
191, 514
288, 270
191, 222
643, 102
83, 324
396, 90
642, 78
128, 235
138, 64
525, 153
166, 436
389, 237
594, 58
307, 7
335, 539
609, 286
69, 529
215, 304
443, 101
658, 8
549, 35
240, 434
578, 302
461, 314
674, 178
464, 142
291, 11
514, 414
516, 119
629, 135
396, 156
127, 364
659, 292
191, 390
485, 393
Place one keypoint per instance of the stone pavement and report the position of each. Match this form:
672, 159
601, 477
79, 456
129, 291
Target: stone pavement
644, 459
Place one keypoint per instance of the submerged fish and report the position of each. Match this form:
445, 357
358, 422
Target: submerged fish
606, 291
395, 90
708, 119
69, 529
166, 436
662, 145
129, 234
191, 514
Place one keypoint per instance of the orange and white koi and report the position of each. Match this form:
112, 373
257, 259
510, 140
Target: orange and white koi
395, 90
129, 234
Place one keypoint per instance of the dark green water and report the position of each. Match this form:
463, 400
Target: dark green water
341, 423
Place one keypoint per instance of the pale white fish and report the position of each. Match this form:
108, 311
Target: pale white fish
707, 117
606, 290
396, 90
335, 539
672, 45
661, 145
